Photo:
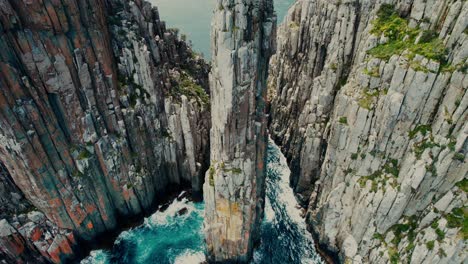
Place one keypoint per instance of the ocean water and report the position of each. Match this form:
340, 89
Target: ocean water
284, 238
172, 238
193, 18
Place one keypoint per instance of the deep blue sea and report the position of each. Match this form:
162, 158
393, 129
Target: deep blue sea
171, 238
193, 18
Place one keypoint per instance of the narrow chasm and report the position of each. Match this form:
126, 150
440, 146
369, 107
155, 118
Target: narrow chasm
174, 234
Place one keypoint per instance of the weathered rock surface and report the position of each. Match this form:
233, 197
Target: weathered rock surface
103, 110
32, 238
376, 134
12, 200
234, 190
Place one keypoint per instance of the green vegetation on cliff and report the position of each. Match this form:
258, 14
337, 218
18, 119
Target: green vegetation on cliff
401, 37
188, 87
423, 129
458, 218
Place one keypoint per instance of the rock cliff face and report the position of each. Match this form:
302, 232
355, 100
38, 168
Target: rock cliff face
102, 111
234, 190
369, 102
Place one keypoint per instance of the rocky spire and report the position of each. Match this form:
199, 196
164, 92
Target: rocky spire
234, 190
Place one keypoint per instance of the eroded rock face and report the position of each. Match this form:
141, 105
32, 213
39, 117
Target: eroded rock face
103, 110
32, 238
12, 200
234, 190
375, 126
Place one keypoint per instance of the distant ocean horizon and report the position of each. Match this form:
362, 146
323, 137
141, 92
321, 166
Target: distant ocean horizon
193, 18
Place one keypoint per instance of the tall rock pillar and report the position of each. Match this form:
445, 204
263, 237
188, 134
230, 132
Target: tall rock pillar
234, 191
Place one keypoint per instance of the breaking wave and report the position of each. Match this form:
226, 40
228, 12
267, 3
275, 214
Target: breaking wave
175, 235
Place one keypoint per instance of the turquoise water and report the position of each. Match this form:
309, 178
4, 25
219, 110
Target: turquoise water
193, 18
165, 237
170, 237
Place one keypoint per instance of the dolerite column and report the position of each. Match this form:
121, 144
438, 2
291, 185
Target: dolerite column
234, 191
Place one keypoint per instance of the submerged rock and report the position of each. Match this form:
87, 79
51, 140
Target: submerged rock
182, 211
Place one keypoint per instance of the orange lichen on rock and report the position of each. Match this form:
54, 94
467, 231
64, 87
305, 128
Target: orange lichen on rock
36, 234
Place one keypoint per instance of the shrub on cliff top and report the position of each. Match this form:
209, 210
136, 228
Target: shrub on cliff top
390, 24
430, 245
401, 37
191, 89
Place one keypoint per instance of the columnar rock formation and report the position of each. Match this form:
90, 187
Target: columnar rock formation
370, 105
102, 111
234, 190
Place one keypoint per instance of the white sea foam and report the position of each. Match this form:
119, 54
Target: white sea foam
286, 194
269, 213
168, 216
286, 198
96, 257
190, 257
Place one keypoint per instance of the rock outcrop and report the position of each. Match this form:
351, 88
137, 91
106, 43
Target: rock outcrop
234, 191
369, 102
103, 110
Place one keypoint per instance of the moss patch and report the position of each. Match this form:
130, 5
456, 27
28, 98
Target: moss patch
420, 147
423, 129
233, 170
84, 154
459, 156
392, 167
127, 86
458, 219
405, 229
189, 88
461, 67
386, 175
343, 120
293, 25
463, 185
211, 174
367, 98
430, 245
374, 72
408, 229
440, 234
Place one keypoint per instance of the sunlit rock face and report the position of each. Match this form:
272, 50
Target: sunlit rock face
234, 190
102, 111
369, 104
